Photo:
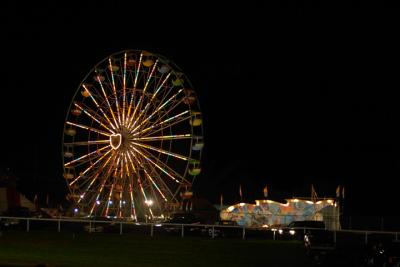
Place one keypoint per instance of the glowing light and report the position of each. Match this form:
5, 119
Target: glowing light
158, 109
88, 128
75, 210
242, 204
149, 202
164, 137
92, 117
162, 151
85, 156
115, 141
98, 202
292, 232
114, 90
97, 105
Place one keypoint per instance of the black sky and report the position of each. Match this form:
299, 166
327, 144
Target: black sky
290, 97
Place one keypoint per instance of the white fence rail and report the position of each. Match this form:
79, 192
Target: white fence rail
211, 230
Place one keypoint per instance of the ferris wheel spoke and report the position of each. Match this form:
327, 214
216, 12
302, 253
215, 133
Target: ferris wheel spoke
122, 166
87, 188
153, 196
175, 155
105, 178
165, 124
85, 143
126, 165
133, 209
163, 137
123, 91
162, 166
161, 106
114, 89
158, 166
109, 199
159, 87
141, 99
85, 156
89, 168
95, 177
108, 102
107, 204
154, 184
143, 112
134, 88
93, 117
163, 114
88, 128
97, 105
139, 179
159, 179
131, 161
136, 165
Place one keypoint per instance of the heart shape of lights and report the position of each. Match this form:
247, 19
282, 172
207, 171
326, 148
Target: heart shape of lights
115, 140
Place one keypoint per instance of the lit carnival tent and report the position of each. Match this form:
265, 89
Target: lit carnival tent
269, 212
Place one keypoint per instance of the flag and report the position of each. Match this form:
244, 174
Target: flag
338, 191
343, 192
313, 194
240, 191
265, 191
35, 201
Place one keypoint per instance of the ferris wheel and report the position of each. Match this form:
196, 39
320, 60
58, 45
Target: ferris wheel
133, 138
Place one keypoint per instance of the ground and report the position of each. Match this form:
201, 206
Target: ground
101, 249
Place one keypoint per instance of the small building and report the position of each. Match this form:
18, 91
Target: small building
11, 198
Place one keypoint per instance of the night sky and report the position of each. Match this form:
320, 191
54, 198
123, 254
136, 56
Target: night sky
290, 97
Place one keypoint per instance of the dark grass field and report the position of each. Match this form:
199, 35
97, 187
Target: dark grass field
100, 249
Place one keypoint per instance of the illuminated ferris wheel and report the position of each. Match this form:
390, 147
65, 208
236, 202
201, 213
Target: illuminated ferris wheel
132, 138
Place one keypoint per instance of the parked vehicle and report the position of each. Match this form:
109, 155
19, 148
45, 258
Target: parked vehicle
175, 222
383, 254
6, 223
298, 229
223, 228
98, 224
